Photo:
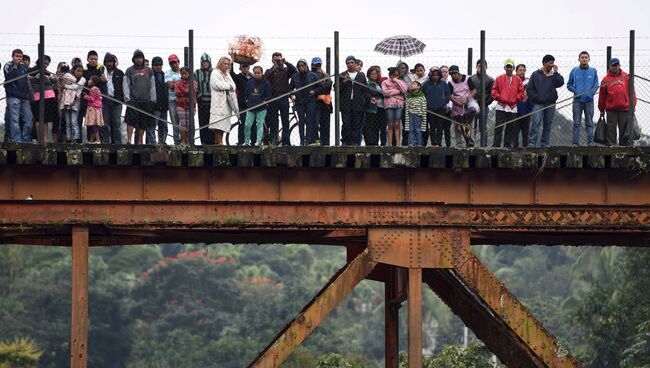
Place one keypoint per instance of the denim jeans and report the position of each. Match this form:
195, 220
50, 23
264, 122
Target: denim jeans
71, 126
162, 126
415, 130
307, 123
588, 109
111, 132
18, 108
278, 106
547, 116
173, 117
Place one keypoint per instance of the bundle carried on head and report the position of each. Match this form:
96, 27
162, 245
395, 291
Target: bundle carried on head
245, 49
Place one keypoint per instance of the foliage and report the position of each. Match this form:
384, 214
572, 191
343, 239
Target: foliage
455, 356
196, 305
332, 360
19, 353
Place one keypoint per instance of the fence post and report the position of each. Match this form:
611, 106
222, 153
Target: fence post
190, 53
632, 106
470, 56
41, 84
328, 60
609, 57
186, 55
484, 115
337, 87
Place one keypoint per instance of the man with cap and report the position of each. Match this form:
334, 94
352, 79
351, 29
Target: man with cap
354, 97
462, 89
507, 90
583, 82
92, 68
278, 76
323, 101
171, 76
542, 93
140, 95
162, 99
111, 132
614, 99
304, 98
489, 82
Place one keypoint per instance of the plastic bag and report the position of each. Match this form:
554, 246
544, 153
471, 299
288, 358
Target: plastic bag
636, 132
600, 135
472, 105
245, 49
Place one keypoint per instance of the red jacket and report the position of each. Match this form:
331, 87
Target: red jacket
508, 93
182, 90
614, 93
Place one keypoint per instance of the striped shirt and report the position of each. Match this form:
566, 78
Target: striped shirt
416, 106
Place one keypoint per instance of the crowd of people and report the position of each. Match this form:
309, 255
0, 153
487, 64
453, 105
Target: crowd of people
414, 107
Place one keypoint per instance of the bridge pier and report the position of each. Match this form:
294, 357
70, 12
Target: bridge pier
79, 322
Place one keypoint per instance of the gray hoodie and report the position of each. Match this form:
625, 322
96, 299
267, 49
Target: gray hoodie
139, 83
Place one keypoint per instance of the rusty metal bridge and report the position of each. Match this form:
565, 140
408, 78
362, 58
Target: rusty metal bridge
407, 217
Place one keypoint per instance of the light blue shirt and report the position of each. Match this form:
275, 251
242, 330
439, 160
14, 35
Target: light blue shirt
109, 83
171, 76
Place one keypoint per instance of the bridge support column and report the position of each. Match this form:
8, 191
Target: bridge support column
415, 318
395, 294
79, 323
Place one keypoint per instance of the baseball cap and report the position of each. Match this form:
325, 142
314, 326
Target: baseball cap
173, 57
509, 62
316, 60
454, 68
614, 61
157, 60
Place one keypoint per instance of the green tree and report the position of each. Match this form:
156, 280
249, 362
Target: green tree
19, 353
454, 356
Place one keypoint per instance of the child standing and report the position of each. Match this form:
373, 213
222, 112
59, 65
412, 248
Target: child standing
182, 91
71, 88
394, 91
416, 114
94, 118
258, 91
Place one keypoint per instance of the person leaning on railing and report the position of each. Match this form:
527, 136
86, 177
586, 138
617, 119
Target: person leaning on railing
614, 99
18, 99
354, 97
438, 95
542, 92
323, 101
583, 82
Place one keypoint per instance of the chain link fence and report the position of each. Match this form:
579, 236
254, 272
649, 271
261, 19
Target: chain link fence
283, 113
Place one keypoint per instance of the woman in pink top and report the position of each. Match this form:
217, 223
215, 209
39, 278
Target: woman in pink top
394, 96
94, 117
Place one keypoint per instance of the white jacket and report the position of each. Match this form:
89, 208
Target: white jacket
221, 86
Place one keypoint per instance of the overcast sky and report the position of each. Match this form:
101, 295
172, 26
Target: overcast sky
304, 29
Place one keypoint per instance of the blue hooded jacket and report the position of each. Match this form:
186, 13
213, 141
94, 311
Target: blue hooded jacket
19, 88
438, 95
299, 80
583, 80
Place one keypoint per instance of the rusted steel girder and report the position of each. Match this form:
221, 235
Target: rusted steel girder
259, 215
481, 281
338, 287
478, 187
